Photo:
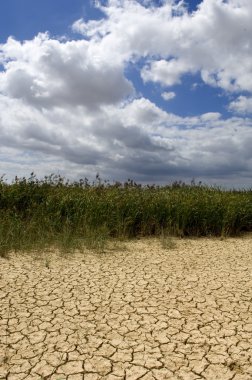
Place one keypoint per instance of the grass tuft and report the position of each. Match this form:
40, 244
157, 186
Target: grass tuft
167, 241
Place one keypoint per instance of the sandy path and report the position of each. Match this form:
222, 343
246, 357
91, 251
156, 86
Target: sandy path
142, 313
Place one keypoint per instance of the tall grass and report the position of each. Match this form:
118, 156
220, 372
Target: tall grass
41, 213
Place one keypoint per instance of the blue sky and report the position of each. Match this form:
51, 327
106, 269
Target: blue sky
24, 19
151, 90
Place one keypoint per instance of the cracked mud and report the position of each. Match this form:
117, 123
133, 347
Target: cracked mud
141, 313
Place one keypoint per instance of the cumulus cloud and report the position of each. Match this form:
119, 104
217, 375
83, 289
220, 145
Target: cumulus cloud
242, 105
203, 41
68, 105
210, 116
120, 142
168, 95
46, 73
167, 73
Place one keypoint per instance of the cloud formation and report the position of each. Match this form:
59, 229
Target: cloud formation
168, 95
215, 40
167, 73
68, 105
47, 73
242, 105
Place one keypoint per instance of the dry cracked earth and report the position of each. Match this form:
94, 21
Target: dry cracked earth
136, 313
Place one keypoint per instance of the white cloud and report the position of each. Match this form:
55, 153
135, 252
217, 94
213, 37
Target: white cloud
242, 105
168, 95
46, 73
167, 73
210, 116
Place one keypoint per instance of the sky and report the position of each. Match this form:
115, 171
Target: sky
152, 90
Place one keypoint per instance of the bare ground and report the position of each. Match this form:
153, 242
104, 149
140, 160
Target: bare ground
141, 313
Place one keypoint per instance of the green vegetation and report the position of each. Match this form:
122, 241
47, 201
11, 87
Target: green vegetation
35, 214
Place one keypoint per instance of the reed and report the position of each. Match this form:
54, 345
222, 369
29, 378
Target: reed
35, 214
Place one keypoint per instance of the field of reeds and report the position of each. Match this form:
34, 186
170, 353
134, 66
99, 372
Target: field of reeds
36, 214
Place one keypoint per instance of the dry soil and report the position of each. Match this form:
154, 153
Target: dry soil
136, 313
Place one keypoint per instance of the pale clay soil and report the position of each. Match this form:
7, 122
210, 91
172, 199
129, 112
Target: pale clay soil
136, 313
